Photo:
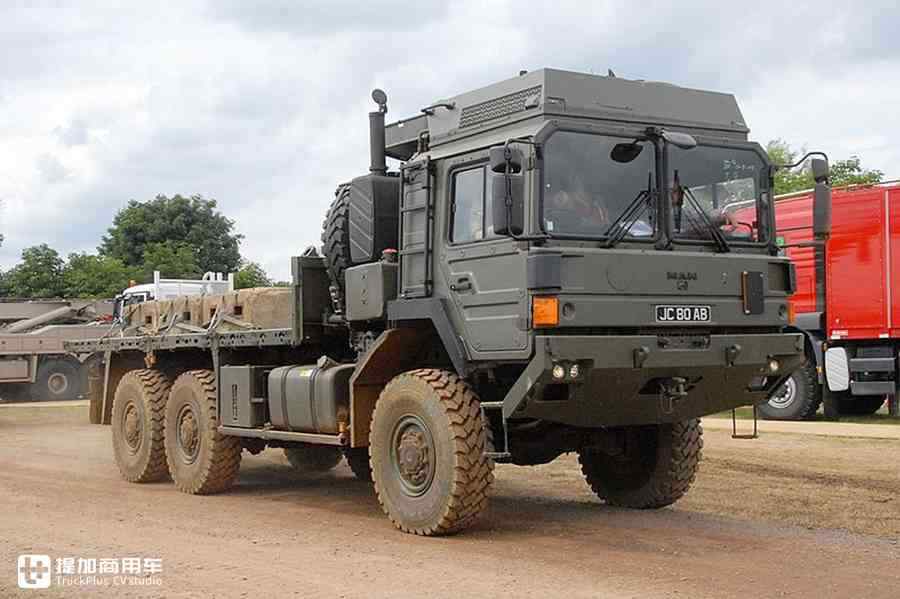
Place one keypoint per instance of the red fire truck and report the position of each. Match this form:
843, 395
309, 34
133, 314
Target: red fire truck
847, 302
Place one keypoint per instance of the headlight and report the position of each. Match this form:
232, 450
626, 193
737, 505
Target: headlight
574, 371
559, 372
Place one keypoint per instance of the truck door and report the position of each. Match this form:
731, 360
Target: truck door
482, 275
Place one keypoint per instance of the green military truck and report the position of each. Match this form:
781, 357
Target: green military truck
555, 267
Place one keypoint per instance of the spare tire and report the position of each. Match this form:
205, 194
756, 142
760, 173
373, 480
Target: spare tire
336, 244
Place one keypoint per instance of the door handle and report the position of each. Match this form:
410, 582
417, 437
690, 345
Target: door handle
461, 284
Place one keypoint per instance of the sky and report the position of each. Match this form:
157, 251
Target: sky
262, 104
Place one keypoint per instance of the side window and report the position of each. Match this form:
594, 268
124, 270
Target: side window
471, 217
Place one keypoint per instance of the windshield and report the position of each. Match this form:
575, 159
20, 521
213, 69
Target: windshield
715, 188
586, 191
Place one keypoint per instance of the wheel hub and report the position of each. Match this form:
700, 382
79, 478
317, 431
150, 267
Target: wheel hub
785, 395
133, 427
413, 455
57, 383
188, 435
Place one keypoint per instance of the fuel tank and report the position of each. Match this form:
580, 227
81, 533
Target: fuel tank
310, 399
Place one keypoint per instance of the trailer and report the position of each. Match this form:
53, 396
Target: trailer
550, 270
33, 360
847, 303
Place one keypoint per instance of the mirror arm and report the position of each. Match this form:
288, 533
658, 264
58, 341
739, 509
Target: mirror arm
802, 160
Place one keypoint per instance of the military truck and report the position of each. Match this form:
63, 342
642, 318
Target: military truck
552, 268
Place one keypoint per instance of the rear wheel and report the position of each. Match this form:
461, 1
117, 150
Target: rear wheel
306, 457
201, 459
58, 379
860, 406
138, 416
655, 469
797, 399
427, 444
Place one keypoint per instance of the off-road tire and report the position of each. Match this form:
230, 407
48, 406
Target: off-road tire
861, 406
138, 425
435, 410
657, 468
358, 460
201, 460
307, 457
336, 244
798, 399
58, 379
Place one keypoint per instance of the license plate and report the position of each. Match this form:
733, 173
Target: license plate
682, 313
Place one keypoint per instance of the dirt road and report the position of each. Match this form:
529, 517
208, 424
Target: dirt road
279, 534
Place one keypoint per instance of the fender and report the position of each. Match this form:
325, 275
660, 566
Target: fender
811, 326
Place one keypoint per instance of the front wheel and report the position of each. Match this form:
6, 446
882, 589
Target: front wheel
797, 399
427, 445
655, 467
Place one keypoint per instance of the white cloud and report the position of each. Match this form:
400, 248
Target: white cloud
262, 105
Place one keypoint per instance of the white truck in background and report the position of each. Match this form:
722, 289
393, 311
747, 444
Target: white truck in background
33, 362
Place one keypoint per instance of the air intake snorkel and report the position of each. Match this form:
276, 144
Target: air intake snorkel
378, 165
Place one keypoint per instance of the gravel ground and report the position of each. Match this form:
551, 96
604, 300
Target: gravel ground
788, 515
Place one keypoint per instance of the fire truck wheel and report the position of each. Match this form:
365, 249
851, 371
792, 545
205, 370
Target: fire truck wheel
201, 460
656, 468
427, 444
138, 416
306, 457
860, 406
59, 380
358, 460
796, 399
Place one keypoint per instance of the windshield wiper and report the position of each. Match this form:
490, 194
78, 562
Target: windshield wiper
630, 215
714, 231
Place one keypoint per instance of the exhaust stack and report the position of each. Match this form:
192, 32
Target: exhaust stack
378, 164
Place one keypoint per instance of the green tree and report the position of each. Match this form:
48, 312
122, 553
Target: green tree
39, 274
173, 259
88, 275
251, 274
192, 221
843, 172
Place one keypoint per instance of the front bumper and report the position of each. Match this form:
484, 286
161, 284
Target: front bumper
628, 379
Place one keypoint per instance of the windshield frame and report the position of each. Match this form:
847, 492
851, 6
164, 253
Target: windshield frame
763, 217
619, 133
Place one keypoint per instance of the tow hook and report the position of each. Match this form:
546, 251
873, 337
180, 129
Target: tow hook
671, 391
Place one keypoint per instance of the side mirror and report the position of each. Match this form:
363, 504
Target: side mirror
500, 155
626, 152
819, 169
507, 190
821, 199
822, 211
508, 203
